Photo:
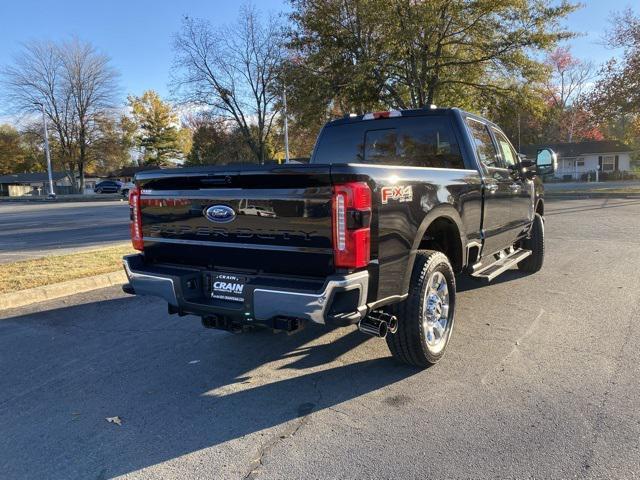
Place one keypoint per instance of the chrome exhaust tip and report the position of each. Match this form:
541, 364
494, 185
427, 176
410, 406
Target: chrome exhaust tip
373, 327
392, 323
378, 324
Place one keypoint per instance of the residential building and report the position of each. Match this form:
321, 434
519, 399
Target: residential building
578, 160
19, 184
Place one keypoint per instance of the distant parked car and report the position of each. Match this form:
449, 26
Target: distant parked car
108, 186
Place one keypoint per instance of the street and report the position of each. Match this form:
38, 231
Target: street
540, 378
30, 230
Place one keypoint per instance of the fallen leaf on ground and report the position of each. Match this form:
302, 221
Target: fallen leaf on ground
117, 420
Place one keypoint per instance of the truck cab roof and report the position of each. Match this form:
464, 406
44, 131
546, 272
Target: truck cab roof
416, 112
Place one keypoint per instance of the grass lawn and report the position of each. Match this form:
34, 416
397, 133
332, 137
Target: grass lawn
54, 269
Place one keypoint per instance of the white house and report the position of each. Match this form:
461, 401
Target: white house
18, 184
576, 160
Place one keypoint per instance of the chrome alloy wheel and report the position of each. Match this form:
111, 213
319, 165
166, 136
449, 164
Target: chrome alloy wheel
435, 316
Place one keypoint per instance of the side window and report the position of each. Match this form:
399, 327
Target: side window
508, 153
484, 145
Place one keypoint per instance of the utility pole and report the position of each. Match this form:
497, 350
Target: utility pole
518, 132
52, 193
286, 126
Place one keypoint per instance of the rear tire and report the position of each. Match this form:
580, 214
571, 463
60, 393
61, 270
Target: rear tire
535, 243
425, 317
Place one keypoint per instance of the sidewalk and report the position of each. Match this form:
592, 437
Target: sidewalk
103, 197
592, 189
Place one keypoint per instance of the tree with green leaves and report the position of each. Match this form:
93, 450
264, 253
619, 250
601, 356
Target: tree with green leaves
12, 152
21, 151
111, 148
523, 115
363, 55
215, 142
157, 129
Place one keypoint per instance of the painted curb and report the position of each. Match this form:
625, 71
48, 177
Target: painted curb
23, 298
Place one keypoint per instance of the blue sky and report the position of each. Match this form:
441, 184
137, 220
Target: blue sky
137, 34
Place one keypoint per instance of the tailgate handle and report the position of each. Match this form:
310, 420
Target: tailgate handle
217, 180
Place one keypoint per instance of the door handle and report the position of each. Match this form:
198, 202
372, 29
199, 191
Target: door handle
492, 187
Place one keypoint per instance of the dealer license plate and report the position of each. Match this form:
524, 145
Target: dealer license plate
228, 287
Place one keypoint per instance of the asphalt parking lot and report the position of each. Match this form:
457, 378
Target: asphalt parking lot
540, 381
30, 230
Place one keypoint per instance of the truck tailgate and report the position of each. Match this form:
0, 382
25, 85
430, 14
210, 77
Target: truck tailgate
274, 219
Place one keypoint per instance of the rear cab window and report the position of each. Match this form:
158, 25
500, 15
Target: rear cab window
425, 141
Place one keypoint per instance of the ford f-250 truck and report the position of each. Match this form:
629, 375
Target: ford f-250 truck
372, 232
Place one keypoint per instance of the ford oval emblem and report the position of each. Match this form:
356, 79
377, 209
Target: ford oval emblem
220, 214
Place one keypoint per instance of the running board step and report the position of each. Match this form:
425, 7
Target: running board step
499, 266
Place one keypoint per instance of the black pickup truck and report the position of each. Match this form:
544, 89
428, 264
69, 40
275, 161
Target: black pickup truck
371, 232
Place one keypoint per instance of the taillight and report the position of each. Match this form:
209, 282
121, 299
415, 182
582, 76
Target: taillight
351, 221
135, 215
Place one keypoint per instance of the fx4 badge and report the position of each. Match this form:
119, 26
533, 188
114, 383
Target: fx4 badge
399, 193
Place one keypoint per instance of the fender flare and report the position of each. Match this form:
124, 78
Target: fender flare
441, 211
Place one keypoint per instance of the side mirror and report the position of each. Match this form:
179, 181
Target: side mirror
546, 161
528, 168
524, 168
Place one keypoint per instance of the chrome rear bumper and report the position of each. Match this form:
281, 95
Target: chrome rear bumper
262, 303
148, 284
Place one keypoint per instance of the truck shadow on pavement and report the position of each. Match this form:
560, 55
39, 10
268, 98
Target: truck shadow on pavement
177, 387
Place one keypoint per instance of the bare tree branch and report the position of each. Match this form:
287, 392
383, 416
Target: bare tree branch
233, 70
77, 87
